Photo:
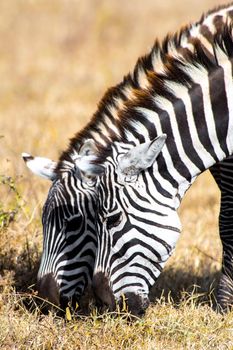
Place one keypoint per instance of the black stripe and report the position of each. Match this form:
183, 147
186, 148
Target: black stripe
157, 184
138, 195
133, 242
219, 106
128, 274
171, 146
196, 98
143, 267
186, 137
137, 206
144, 175
128, 285
118, 235
138, 254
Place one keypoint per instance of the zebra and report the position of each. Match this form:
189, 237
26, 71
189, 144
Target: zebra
107, 135
69, 239
178, 124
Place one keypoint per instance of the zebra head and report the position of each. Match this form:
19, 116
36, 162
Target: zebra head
69, 234
135, 236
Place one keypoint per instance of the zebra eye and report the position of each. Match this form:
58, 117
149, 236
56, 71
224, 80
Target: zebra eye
113, 220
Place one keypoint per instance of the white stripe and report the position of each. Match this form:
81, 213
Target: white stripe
113, 111
67, 186
205, 42
157, 62
112, 126
130, 137
140, 129
142, 78
98, 137
128, 91
209, 22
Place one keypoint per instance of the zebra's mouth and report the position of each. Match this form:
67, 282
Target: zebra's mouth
133, 303
48, 292
103, 294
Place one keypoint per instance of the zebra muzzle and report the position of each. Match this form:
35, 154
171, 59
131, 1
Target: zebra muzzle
134, 303
103, 294
48, 292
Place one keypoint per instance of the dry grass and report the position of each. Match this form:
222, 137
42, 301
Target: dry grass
56, 60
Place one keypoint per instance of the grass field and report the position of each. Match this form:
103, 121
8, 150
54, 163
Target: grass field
57, 57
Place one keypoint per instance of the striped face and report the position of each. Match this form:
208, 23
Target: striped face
69, 239
69, 235
137, 226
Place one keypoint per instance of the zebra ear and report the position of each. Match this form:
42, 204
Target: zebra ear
142, 156
85, 162
88, 148
41, 166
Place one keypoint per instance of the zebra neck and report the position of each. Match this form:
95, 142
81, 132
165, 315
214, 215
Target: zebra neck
193, 46
197, 118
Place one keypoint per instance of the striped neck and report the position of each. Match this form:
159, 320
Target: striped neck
112, 121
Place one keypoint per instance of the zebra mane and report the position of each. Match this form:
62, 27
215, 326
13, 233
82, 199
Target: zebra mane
165, 63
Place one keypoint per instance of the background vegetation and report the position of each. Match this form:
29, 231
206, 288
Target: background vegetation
57, 57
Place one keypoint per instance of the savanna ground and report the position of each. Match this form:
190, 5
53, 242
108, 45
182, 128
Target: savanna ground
56, 60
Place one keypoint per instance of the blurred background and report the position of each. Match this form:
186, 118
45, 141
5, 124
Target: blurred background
57, 58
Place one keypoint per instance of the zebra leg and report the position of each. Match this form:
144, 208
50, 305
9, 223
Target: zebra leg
223, 175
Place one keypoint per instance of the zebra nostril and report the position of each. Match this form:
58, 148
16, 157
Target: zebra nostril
48, 289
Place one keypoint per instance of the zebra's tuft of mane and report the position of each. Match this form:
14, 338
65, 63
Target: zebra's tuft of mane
166, 62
